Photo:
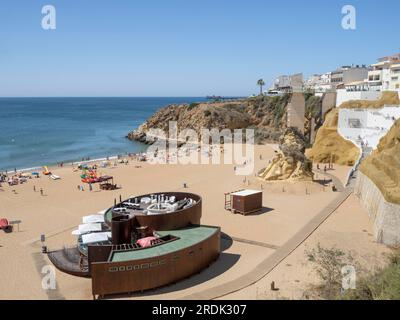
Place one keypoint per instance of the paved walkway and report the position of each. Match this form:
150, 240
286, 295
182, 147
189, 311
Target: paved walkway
335, 180
252, 242
268, 264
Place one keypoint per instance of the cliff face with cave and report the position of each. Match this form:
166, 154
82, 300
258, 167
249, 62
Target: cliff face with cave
290, 164
378, 186
330, 145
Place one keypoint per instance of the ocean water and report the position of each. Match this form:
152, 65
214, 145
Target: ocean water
43, 131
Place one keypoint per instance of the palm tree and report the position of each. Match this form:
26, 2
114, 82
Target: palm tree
261, 83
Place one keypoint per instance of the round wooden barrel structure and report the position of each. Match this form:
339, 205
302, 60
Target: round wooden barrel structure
121, 229
166, 221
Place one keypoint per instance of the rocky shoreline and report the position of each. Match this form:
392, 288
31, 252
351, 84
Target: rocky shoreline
263, 114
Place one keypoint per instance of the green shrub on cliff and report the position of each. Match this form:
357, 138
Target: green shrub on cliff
193, 105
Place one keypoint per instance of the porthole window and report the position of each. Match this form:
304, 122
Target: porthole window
112, 269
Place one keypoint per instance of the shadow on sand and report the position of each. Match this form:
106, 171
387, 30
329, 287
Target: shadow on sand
323, 182
264, 210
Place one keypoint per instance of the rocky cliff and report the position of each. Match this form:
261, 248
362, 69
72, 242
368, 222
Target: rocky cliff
290, 163
330, 145
383, 165
266, 115
378, 187
263, 114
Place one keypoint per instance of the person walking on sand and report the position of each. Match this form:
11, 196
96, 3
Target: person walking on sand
34, 188
41, 191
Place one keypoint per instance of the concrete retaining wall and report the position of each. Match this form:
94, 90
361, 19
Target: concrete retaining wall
384, 215
328, 102
296, 110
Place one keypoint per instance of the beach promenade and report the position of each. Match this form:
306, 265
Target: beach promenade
267, 265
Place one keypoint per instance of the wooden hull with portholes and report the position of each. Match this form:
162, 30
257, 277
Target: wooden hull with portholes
153, 272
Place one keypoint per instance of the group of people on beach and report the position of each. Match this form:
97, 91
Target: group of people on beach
3, 177
15, 179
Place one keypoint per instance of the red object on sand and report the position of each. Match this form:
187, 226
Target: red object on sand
4, 225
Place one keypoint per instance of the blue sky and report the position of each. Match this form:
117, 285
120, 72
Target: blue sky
182, 47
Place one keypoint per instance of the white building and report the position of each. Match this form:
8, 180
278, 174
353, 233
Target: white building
293, 83
348, 74
319, 83
385, 74
382, 76
394, 84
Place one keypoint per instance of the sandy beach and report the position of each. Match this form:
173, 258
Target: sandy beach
247, 240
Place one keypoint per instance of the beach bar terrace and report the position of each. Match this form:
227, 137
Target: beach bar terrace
141, 243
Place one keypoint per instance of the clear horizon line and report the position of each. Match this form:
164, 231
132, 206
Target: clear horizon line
16, 97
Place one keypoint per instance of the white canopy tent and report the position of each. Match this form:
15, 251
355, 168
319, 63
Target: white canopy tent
94, 218
87, 228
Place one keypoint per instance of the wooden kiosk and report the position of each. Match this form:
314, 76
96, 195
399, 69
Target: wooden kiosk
244, 201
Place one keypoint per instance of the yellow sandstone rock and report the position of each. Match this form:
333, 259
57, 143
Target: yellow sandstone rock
383, 165
329, 145
290, 164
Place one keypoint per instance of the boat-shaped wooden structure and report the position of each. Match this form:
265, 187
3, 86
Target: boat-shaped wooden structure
177, 246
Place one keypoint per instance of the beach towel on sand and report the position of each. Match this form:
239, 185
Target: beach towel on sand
145, 242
